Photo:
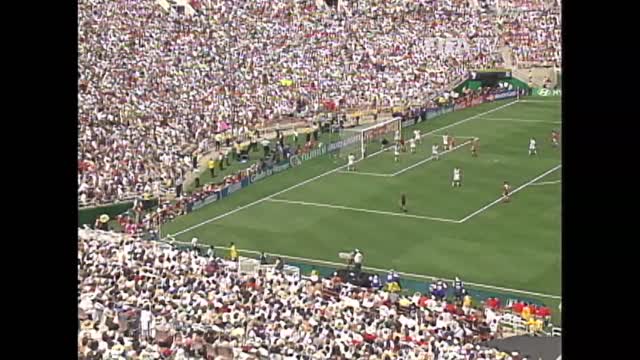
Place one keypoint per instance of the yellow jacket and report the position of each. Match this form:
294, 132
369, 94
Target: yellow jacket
393, 287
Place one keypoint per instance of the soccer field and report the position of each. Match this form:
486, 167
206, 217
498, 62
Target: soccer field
319, 209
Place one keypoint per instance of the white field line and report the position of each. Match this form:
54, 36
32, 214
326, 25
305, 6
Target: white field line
356, 172
329, 172
411, 275
522, 120
431, 158
389, 213
547, 183
559, 101
513, 192
458, 136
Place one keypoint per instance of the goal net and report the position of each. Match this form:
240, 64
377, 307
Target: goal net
364, 141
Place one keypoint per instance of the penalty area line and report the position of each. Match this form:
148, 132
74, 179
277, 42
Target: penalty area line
240, 208
466, 142
379, 212
559, 101
547, 183
484, 208
356, 172
522, 120
432, 157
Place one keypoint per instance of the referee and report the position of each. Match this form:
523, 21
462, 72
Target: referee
403, 202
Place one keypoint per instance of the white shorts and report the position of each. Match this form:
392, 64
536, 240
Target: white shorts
350, 163
532, 149
434, 153
456, 178
413, 146
396, 154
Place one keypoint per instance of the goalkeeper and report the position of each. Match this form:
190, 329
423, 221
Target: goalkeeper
384, 143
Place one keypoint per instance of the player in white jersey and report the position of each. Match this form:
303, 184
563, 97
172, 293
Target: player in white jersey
416, 135
396, 153
506, 192
445, 141
532, 147
434, 151
457, 177
351, 165
412, 145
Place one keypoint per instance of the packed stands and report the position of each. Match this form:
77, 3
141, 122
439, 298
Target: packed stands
155, 87
534, 37
148, 300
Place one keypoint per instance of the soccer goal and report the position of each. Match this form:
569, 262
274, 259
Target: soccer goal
363, 141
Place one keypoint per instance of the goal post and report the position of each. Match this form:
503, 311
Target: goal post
371, 137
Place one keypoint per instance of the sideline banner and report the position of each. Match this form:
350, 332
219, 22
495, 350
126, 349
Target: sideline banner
476, 101
434, 112
345, 142
207, 200
313, 153
505, 95
462, 104
409, 122
546, 92
274, 169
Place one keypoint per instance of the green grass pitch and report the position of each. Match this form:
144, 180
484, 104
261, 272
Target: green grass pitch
317, 210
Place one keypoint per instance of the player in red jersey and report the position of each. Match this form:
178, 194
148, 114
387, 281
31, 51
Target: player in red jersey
474, 147
506, 192
452, 142
555, 138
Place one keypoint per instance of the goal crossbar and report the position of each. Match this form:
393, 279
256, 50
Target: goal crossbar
368, 133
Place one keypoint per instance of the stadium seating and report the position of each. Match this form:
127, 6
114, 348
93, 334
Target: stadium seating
152, 300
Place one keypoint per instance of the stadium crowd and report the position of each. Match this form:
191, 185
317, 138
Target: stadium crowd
155, 88
533, 37
141, 221
147, 300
